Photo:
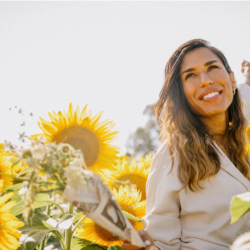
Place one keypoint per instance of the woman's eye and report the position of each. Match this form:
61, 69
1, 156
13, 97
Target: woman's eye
213, 67
189, 75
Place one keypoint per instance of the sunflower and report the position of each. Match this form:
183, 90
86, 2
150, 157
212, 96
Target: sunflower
133, 174
5, 170
248, 131
248, 148
9, 224
128, 200
83, 131
147, 162
123, 158
248, 139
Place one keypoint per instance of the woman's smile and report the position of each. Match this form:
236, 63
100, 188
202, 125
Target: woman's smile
207, 86
210, 95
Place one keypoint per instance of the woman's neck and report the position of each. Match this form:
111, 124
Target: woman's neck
217, 126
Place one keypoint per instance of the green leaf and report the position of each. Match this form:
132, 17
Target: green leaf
114, 248
65, 222
41, 200
47, 225
24, 171
34, 234
36, 221
92, 247
131, 217
57, 216
81, 244
78, 216
47, 221
22, 247
18, 208
16, 187
240, 205
17, 197
54, 242
78, 244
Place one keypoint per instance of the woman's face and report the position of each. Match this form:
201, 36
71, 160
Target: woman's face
206, 84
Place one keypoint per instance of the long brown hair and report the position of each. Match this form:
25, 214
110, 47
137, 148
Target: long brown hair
187, 136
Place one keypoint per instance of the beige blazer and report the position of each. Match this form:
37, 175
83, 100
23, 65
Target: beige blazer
193, 220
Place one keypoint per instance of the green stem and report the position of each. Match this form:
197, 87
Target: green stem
48, 207
42, 246
53, 202
68, 233
59, 237
60, 180
78, 223
50, 190
47, 239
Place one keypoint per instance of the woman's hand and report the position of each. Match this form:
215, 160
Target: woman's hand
245, 69
147, 240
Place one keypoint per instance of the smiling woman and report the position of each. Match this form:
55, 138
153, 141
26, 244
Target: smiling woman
202, 162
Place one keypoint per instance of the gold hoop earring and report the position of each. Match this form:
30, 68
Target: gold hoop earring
234, 91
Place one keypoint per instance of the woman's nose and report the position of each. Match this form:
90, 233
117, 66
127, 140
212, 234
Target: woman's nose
205, 80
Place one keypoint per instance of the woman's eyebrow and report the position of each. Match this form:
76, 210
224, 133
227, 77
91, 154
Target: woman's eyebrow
210, 62
187, 70
206, 64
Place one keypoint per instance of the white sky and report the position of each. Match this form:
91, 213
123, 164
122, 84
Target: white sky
109, 55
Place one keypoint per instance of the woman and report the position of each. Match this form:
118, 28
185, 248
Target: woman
202, 162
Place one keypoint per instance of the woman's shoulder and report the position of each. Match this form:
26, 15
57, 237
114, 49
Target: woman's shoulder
163, 161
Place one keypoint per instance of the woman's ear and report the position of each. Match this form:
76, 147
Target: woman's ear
232, 80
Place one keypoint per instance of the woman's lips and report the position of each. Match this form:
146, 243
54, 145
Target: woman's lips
212, 99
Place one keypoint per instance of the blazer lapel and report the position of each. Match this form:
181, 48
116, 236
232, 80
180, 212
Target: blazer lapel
229, 167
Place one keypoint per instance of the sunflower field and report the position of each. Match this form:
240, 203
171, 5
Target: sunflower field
34, 213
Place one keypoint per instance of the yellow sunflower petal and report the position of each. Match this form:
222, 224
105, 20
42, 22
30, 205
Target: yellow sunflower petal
5, 168
133, 174
128, 200
8, 242
83, 132
5, 198
7, 206
9, 224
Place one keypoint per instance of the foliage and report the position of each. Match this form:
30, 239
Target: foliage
40, 174
240, 205
145, 139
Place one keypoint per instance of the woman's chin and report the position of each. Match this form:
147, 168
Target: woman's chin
213, 113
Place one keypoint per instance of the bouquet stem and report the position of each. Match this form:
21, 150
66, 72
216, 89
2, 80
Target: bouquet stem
68, 236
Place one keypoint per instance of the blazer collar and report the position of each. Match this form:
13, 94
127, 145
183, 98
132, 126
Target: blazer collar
231, 169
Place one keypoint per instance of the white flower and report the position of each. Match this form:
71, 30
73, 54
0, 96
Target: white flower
38, 151
41, 138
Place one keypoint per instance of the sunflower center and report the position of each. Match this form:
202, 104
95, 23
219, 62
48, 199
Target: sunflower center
139, 181
81, 138
104, 234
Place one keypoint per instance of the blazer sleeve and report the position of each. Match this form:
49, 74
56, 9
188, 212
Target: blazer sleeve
162, 221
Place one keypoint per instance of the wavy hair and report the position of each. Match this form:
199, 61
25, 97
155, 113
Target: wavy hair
187, 136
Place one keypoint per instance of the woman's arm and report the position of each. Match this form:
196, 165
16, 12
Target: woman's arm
162, 227
162, 221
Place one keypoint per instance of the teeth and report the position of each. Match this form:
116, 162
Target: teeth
210, 95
